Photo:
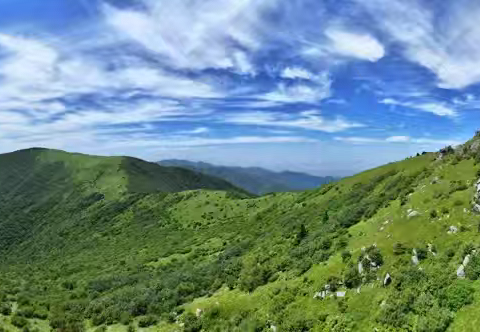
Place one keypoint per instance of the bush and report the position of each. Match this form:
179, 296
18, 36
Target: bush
19, 321
457, 295
436, 320
352, 279
147, 321
422, 253
433, 214
399, 249
346, 255
192, 323
5, 309
472, 270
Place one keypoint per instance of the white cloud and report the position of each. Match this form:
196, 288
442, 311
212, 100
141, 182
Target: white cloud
309, 120
194, 34
430, 107
396, 139
316, 90
297, 73
355, 45
199, 130
448, 45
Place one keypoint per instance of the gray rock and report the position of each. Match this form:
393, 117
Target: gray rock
199, 312
461, 272
415, 260
476, 208
387, 280
413, 214
341, 294
360, 267
466, 260
452, 230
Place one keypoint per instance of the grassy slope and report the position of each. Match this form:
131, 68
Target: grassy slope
150, 238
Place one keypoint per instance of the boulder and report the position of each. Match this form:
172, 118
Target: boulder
466, 260
360, 267
461, 272
387, 280
199, 312
413, 214
452, 230
273, 328
476, 208
415, 260
341, 294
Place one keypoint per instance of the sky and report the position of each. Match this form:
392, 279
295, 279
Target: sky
321, 86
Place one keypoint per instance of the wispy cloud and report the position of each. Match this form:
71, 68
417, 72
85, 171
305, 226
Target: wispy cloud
436, 108
450, 48
217, 36
396, 139
308, 120
356, 45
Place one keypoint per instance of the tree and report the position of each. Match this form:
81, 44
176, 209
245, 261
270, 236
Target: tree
302, 233
325, 216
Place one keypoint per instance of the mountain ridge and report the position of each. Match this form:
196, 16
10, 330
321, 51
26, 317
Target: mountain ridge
256, 180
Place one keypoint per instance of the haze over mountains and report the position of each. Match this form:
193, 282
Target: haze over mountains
91, 242
255, 180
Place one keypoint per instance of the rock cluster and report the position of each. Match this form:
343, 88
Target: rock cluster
476, 199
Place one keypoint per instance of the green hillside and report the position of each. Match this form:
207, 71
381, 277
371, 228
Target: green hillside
92, 243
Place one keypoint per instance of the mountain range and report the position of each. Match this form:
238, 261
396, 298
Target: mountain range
92, 243
255, 180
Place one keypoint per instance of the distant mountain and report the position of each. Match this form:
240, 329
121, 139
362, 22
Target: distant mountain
255, 180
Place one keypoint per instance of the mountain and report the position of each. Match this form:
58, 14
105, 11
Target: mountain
390, 249
256, 180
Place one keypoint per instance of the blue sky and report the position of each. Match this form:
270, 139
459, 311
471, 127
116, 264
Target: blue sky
323, 86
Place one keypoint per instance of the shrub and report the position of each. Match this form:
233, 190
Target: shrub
472, 270
352, 279
19, 321
147, 321
346, 255
399, 249
436, 320
192, 323
5, 309
457, 295
433, 214
421, 253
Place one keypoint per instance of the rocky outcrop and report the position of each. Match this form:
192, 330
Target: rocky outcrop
452, 230
461, 268
360, 267
476, 198
387, 280
415, 259
412, 213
